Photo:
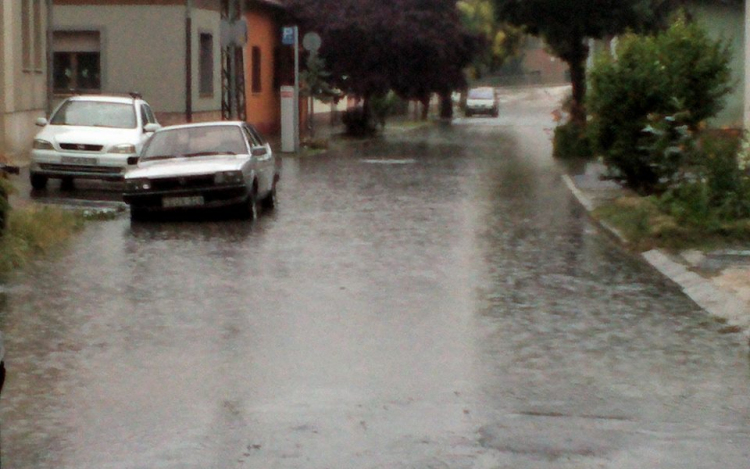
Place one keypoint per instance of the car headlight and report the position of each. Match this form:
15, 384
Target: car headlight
123, 149
40, 144
228, 177
134, 185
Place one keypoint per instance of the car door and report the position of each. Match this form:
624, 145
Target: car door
263, 158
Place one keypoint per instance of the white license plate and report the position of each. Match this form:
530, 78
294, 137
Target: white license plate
80, 160
172, 202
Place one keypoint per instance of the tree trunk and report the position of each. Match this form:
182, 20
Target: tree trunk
576, 60
425, 100
446, 106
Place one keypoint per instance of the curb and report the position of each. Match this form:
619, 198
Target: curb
701, 291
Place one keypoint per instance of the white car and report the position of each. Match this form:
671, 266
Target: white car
203, 166
482, 100
92, 136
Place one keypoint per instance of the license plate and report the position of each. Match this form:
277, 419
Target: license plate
80, 160
172, 202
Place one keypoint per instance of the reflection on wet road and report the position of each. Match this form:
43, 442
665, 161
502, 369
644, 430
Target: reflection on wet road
435, 299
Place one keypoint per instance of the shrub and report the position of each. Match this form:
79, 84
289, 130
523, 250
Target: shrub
680, 71
357, 122
571, 141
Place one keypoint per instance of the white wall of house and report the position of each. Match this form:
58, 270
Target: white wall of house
727, 22
142, 48
747, 66
23, 75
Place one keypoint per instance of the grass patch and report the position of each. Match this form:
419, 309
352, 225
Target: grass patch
645, 226
36, 230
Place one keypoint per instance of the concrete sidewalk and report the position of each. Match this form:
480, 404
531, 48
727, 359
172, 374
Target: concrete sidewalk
718, 281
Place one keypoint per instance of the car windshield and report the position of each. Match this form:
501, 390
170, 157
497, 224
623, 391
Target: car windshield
96, 114
195, 141
481, 94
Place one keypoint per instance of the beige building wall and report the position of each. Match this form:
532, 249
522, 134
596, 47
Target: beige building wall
23, 75
142, 49
747, 66
726, 22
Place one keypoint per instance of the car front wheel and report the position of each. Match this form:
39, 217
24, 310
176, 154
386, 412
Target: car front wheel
270, 201
38, 181
249, 209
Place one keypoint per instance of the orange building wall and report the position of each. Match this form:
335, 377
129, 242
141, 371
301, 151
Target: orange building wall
264, 108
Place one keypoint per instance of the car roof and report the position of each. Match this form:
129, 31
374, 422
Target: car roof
104, 98
204, 124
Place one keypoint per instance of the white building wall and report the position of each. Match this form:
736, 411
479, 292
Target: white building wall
143, 49
23, 95
746, 56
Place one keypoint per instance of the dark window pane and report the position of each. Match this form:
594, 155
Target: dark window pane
256, 86
62, 71
88, 75
206, 65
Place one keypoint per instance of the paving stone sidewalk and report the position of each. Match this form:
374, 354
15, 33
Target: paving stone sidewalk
718, 281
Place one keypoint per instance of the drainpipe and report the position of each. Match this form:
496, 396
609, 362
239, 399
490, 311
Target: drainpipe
50, 57
188, 60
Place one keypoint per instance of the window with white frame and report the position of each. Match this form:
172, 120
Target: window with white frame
76, 61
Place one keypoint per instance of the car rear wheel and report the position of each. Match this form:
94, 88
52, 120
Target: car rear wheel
38, 181
67, 184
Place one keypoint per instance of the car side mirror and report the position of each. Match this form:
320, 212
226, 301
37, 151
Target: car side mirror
260, 151
41, 122
149, 128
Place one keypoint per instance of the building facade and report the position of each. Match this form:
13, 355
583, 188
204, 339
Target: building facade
23, 74
264, 70
167, 50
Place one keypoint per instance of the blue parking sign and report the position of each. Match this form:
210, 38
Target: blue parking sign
287, 36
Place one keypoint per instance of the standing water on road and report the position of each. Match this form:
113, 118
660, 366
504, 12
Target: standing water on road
432, 299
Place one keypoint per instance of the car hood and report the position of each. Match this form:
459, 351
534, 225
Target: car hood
88, 135
190, 166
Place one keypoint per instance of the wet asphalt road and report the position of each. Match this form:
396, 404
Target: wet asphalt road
435, 299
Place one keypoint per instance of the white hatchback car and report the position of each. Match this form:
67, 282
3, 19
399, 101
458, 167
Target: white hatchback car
91, 136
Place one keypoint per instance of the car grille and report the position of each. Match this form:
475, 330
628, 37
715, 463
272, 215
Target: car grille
81, 147
187, 182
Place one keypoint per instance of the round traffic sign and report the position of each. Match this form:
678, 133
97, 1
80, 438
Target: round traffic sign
311, 42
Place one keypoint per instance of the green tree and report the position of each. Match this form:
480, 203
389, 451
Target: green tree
566, 24
413, 47
500, 41
647, 103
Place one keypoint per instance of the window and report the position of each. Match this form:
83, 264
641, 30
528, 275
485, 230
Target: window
76, 61
147, 116
256, 87
206, 64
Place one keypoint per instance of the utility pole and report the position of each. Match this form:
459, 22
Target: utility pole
234, 35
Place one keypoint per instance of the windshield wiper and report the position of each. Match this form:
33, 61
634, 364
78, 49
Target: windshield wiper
210, 153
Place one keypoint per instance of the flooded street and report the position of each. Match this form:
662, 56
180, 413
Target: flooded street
433, 299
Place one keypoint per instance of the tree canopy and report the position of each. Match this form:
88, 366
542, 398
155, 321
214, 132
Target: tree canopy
501, 40
565, 24
413, 47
